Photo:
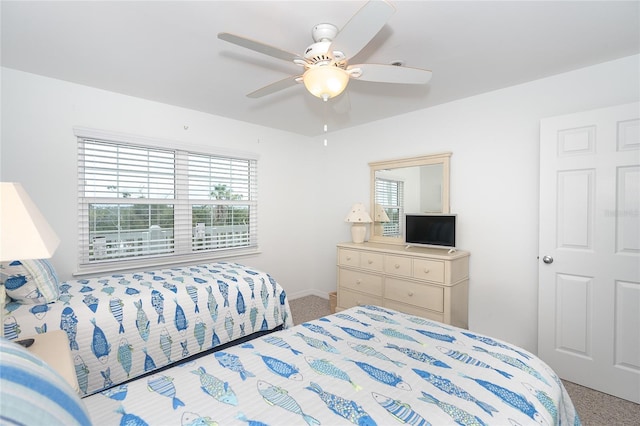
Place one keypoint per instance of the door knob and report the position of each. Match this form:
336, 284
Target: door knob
548, 260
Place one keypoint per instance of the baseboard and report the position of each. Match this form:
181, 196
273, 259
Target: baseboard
310, 292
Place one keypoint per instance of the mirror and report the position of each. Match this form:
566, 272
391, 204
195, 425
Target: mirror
408, 185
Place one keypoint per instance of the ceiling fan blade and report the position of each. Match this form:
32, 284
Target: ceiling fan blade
259, 47
392, 74
275, 87
362, 27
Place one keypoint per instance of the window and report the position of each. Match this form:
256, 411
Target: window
389, 194
138, 202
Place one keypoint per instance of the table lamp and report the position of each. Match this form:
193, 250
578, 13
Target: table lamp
379, 217
24, 232
359, 219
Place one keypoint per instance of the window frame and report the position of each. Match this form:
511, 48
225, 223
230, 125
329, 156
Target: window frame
394, 186
184, 250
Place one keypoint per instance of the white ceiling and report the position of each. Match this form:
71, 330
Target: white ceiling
168, 51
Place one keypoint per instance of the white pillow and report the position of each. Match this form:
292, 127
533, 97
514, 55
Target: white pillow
30, 282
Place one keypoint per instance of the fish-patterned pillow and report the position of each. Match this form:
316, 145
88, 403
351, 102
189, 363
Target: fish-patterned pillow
32, 393
30, 282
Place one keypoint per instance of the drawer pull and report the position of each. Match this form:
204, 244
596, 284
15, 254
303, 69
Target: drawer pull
358, 281
348, 258
410, 294
397, 266
370, 261
426, 270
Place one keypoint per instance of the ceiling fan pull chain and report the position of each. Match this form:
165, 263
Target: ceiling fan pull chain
325, 128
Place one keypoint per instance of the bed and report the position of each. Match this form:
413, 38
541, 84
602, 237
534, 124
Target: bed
366, 365
125, 325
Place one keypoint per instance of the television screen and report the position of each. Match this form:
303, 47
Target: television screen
431, 230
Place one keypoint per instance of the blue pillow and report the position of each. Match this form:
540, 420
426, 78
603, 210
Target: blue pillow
30, 282
32, 393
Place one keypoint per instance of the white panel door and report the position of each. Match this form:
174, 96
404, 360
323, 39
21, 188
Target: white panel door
589, 271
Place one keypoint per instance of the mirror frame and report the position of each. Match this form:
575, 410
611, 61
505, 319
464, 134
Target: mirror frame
424, 160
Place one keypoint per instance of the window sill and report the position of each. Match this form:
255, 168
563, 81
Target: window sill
155, 263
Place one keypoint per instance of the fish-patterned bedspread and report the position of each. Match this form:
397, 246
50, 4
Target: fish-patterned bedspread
124, 325
365, 365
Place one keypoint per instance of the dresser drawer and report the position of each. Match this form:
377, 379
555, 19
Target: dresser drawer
420, 295
430, 270
349, 257
372, 261
347, 299
397, 265
360, 281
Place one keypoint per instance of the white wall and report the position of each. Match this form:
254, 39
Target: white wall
494, 176
494, 139
38, 149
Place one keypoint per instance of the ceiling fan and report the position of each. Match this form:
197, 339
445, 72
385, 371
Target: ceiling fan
325, 62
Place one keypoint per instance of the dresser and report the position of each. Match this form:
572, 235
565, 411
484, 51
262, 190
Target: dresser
427, 282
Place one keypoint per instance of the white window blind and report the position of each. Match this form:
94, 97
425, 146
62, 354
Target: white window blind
138, 202
389, 194
222, 192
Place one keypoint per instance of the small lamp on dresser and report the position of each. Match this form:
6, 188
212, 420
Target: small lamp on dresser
24, 232
379, 217
359, 218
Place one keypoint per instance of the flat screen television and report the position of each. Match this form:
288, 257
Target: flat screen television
432, 230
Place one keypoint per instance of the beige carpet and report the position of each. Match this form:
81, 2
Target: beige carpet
595, 408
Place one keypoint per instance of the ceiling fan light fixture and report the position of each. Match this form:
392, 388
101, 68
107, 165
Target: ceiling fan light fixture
325, 81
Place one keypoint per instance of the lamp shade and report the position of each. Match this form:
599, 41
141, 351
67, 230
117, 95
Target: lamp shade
357, 214
380, 215
325, 81
24, 232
